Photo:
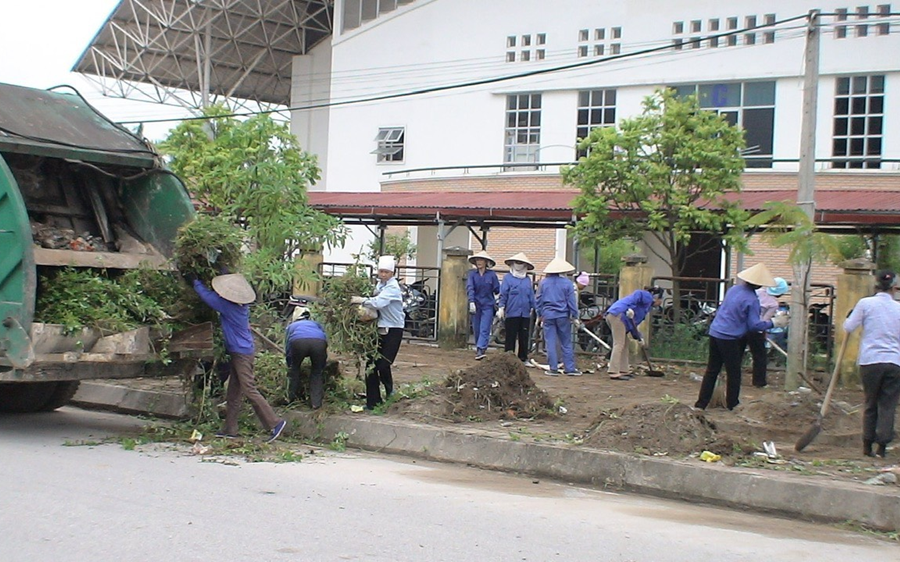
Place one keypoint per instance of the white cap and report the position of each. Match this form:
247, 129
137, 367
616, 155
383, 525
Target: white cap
386, 263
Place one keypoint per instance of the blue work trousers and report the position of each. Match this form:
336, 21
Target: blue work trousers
558, 332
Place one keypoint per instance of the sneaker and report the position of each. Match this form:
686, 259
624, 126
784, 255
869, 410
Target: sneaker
575, 373
553, 373
223, 435
530, 363
479, 355
277, 430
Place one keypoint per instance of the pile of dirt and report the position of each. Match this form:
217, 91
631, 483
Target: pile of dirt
792, 413
497, 388
672, 429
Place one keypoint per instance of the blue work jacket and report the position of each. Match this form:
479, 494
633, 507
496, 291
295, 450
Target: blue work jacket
482, 288
557, 298
517, 296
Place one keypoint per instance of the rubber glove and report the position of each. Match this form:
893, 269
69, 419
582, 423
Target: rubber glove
500, 313
471, 308
577, 322
641, 342
629, 313
781, 321
357, 300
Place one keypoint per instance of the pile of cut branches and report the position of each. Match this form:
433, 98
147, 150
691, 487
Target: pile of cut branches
347, 334
208, 246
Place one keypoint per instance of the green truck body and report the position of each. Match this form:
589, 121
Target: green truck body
66, 168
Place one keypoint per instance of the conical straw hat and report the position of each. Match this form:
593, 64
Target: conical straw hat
522, 258
559, 265
234, 287
757, 275
484, 255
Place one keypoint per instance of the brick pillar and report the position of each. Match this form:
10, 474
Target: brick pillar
453, 308
636, 274
853, 284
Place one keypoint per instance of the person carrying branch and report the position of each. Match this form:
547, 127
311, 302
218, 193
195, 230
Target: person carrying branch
230, 296
388, 301
879, 360
624, 316
737, 315
517, 302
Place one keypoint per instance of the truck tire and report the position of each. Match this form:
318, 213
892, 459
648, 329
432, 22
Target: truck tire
61, 396
25, 397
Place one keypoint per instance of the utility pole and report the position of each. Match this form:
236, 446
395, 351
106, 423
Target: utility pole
798, 338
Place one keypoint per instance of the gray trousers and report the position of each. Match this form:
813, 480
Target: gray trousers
241, 382
881, 384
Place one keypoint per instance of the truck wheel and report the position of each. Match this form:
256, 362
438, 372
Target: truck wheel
61, 396
24, 397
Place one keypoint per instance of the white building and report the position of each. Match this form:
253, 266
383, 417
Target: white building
427, 90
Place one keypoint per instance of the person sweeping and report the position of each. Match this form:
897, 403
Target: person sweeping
736, 316
624, 316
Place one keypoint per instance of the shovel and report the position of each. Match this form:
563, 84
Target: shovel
651, 372
813, 431
595, 336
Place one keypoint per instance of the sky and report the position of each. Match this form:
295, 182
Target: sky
41, 40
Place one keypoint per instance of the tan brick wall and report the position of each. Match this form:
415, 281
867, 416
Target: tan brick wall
538, 244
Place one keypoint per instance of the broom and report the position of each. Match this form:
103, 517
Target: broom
718, 396
813, 431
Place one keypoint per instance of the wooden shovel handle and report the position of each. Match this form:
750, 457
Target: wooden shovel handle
834, 376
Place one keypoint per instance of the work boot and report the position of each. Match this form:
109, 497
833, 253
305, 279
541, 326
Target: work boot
867, 448
881, 450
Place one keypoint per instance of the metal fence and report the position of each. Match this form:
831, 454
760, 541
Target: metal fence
680, 324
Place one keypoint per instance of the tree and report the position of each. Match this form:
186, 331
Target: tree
665, 173
398, 245
253, 173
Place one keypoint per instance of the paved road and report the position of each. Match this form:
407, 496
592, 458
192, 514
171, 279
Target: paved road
104, 503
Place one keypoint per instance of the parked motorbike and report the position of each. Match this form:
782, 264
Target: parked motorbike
419, 306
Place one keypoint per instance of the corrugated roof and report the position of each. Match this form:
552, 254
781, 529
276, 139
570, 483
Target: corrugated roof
851, 207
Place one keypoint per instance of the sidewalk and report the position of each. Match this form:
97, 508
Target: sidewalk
815, 499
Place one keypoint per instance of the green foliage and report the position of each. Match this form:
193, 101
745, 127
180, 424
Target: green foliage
786, 225
680, 341
888, 252
207, 246
665, 172
347, 334
90, 298
254, 174
851, 247
398, 245
610, 254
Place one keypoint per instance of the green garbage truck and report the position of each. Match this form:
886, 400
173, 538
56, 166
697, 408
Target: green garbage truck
76, 190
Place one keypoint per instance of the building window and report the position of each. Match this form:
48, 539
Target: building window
840, 31
769, 36
357, 12
600, 34
390, 142
599, 50
541, 38
731, 24
583, 51
858, 121
596, 108
523, 129
750, 105
714, 25
862, 29
583, 35
678, 28
524, 43
615, 48
695, 26
617, 33
750, 23
540, 54
510, 41
884, 11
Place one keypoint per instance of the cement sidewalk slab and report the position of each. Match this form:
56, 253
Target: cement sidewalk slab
120, 398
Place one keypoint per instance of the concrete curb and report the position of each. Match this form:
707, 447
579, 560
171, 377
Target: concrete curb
814, 499
766, 491
131, 400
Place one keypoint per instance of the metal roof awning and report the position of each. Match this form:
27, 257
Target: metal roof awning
522, 209
154, 46
838, 210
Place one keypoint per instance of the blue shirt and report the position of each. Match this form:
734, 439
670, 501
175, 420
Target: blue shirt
517, 296
481, 288
879, 317
304, 329
738, 314
388, 300
557, 298
639, 301
235, 320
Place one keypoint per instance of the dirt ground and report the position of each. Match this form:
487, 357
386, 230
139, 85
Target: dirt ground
645, 415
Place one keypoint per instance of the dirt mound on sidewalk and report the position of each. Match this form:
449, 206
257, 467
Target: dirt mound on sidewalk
498, 387
671, 429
